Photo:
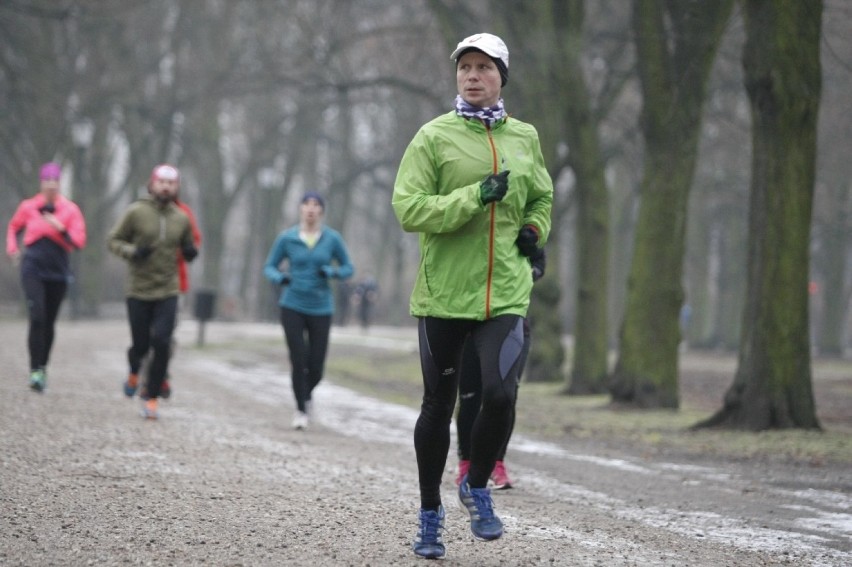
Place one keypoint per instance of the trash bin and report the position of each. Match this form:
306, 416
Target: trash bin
205, 309
205, 304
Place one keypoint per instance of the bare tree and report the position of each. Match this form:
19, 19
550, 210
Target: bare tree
773, 386
676, 43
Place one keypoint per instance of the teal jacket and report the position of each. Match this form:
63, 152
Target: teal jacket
305, 290
470, 266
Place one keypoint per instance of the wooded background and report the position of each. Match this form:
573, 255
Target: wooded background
646, 110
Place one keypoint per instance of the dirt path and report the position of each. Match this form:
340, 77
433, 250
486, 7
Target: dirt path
221, 479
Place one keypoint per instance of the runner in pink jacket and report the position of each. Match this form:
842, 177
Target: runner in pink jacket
52, 226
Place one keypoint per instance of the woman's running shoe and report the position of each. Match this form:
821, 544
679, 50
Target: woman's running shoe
300, 420
464, 467
38, 380
500, 477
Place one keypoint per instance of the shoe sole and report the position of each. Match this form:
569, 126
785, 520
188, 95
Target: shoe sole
36, 387
431, 555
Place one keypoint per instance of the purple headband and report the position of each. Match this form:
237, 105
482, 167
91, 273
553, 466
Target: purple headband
50, 171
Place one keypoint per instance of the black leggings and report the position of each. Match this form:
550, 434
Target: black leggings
307, 341
43, 301
498, 343
470, 396
152, 323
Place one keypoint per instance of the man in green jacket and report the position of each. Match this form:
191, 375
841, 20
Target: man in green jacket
148, 236
478, 224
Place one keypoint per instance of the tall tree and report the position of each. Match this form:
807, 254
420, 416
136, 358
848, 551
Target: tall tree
772, 387
589, 370
832, 218
676, 43
554, 75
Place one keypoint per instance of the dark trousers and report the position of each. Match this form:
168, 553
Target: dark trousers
152, 323
470, 396
43, 301
307, 341
498, 343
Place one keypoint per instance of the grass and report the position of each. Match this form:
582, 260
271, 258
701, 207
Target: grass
545, 412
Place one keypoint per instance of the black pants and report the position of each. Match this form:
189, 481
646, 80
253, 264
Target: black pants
152, 323
43, 301
470, 396
498, 343
307, 341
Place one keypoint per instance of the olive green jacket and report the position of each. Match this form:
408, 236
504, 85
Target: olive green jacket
166, 229
470, 266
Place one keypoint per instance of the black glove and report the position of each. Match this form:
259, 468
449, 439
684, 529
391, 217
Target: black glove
325, 272
141, 253
527, 239
189, 252
494, 187
538, 262
284, 279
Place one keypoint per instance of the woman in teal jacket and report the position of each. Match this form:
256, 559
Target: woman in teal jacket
313, 254
473, 184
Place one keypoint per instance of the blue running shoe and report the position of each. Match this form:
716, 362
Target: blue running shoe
38, 380
428, 542
477, 501
131, 384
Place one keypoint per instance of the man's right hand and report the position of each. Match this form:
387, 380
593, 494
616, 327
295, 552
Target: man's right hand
141, 253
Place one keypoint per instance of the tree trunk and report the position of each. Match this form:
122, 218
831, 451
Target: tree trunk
545, 362
589, 371
832, 294
772, 387
731, 280
676, 43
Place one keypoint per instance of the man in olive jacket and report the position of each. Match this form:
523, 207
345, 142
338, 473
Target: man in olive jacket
149, 236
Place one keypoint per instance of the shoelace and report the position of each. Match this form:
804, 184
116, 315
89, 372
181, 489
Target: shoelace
482, 501
430, 527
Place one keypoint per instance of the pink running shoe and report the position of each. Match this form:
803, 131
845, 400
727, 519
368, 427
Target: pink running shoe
500, 477
464, 466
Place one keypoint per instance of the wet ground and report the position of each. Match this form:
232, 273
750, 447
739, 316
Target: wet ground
222, 479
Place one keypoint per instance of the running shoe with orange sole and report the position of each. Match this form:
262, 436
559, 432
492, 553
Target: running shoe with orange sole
149, 409
131, 385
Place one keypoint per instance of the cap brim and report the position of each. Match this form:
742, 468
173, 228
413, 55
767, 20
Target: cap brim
459, 50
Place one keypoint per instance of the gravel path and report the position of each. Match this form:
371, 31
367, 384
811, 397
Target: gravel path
221, 479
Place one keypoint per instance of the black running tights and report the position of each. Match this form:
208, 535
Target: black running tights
307, 341
498, 343
152, 323
470, 396
43, 301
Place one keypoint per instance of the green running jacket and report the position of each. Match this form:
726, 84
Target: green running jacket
470, 266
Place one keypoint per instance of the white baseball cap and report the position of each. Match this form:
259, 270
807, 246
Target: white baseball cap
165, 171
487, 43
